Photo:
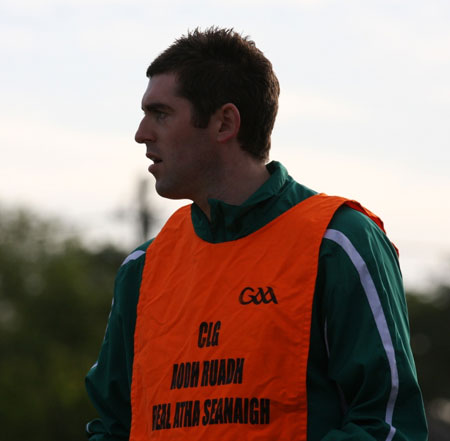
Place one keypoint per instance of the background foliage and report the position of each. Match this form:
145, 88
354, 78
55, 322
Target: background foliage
55, 296
429, 315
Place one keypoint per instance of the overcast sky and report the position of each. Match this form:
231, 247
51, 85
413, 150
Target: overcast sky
364, 106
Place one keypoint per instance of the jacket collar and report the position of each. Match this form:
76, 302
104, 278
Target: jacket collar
231, 222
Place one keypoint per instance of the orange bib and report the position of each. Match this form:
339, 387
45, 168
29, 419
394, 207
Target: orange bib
223, 330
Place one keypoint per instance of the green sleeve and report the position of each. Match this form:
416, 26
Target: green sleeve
108, 383
362, 380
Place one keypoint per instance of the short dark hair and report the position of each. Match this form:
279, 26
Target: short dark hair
219, 66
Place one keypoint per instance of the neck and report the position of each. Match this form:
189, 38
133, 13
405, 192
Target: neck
235, 183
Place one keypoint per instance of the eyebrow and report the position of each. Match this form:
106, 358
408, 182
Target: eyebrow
158, 107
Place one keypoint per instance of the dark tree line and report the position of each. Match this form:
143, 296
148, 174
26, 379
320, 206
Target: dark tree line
55, 296
429, 315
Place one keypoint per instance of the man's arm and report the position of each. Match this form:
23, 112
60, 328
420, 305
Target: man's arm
108, 383
366, 332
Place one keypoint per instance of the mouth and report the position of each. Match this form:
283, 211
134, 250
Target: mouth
156, 159
153, 168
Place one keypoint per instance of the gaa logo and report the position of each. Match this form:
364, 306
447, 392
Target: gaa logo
249, 295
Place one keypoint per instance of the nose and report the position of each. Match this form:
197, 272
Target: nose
144, 133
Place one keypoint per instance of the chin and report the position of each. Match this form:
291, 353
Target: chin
170, 192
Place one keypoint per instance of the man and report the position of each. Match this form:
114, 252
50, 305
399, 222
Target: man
263, 311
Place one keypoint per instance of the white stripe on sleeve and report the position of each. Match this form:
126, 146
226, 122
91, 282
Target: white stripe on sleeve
133, 256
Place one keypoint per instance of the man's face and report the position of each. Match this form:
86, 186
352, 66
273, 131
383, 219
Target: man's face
182, 155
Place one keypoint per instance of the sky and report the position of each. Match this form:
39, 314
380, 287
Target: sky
364, 107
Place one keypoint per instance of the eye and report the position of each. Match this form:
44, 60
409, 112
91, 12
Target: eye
156, 111
159, 115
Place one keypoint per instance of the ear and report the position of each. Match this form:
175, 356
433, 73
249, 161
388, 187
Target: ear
229, 122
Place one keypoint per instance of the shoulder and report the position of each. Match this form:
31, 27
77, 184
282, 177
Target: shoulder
352, 230
358, 261
130, 271
136, 258
355, 252
128, 281
350, 221
137, 254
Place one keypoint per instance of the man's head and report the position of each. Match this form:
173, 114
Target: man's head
219, 66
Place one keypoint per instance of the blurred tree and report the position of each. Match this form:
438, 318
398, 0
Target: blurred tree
55, 296
429, 315
145, 218
139, 211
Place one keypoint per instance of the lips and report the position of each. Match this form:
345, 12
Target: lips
156, 159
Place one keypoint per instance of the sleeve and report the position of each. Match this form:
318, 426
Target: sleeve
108, 382
366, 332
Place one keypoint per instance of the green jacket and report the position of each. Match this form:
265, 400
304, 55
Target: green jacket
361, 378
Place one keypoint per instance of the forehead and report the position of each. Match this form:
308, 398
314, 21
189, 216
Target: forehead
162, 88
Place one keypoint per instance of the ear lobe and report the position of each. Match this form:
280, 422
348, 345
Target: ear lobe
230, 122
